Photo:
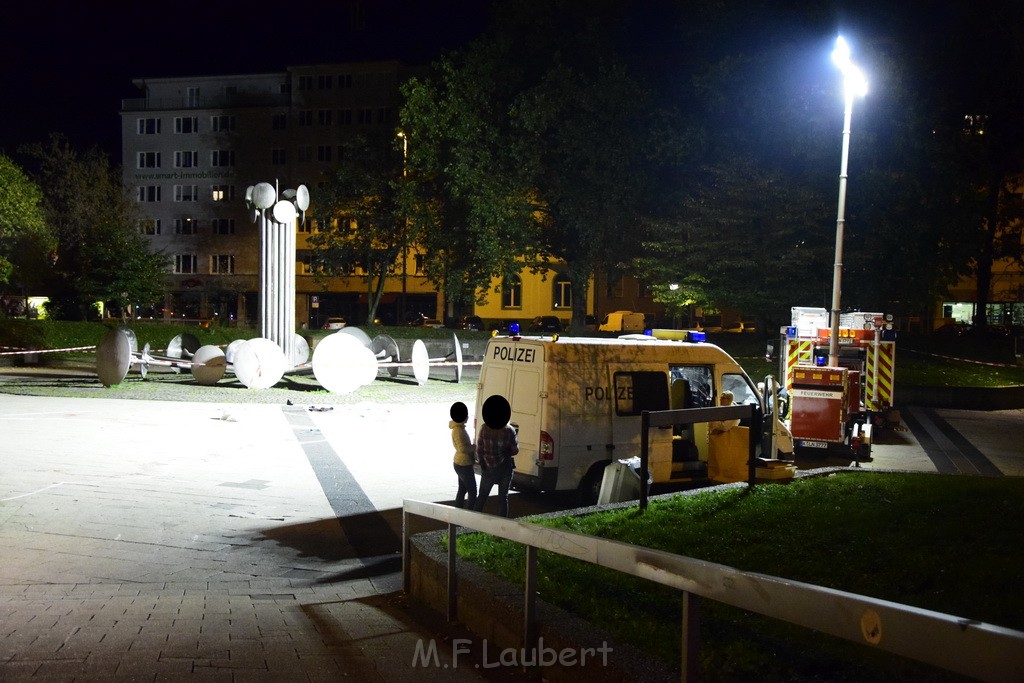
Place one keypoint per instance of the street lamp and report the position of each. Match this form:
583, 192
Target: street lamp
405, 234
854, 84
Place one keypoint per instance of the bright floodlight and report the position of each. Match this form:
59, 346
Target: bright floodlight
854, 81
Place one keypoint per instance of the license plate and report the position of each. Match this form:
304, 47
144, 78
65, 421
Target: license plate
814, 444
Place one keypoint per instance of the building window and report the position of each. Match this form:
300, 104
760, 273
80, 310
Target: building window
344, 80
186, 193
323, 153
305, 117
345, 117
324, 82
278, 157
222, 193
279, 122
384, 115
149, 193
186, 263
224, 226
185, 226
192, 94
149, 226
304, 264
562, 297
187, 159
149, 159
325, 117
975, 124
149, 126
418, 259
305, 153
222, 124
306, 82
186, 124
222, 157
512, 292
222, 264
365, 117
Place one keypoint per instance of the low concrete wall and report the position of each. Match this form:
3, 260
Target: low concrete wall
492, 609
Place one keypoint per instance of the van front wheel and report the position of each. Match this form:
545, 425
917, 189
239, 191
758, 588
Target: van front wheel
590, 485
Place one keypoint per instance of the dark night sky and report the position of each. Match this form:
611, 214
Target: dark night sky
66, 65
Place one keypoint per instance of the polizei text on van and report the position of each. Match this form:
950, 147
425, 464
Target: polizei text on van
514, 354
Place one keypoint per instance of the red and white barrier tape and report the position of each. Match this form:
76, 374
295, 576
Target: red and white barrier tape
28, 351
964, 360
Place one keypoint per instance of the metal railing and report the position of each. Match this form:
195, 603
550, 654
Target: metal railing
953, 643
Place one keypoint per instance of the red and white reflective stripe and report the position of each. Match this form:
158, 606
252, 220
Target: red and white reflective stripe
21, 353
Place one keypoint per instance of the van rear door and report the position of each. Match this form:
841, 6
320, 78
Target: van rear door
513, 369
634, 391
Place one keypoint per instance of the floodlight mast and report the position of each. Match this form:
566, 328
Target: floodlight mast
854, 84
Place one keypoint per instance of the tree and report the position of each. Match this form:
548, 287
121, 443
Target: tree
539, 141
359, 217
468, 201
100, 254
747, 239
25, 240
980, 117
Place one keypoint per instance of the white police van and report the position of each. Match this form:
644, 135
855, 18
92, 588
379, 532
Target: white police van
576, 404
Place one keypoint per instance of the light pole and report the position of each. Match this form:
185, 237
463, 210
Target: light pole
405, 234
854, 84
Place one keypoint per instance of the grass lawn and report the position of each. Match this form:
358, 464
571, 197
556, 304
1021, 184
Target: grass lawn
950, 544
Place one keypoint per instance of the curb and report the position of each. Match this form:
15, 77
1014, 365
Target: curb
963, 398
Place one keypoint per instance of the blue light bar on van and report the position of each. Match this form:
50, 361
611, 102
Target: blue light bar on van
696, 337
513, 329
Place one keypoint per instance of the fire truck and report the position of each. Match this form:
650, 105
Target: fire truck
836, 408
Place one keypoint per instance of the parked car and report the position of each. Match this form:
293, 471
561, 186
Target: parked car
546, 323
710, 323
334, 324
739, 326
953, 330
470, 322
421, 320
504, 327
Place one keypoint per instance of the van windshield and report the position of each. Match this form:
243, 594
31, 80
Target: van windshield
742, 391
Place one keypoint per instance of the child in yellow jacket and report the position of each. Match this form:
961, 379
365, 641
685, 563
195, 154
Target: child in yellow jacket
464, 455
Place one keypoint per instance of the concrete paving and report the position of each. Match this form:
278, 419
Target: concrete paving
154, 541
158, 541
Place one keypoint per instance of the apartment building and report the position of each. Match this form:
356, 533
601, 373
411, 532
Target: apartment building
192, 145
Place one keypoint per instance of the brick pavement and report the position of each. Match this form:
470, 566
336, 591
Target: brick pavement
150, 541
